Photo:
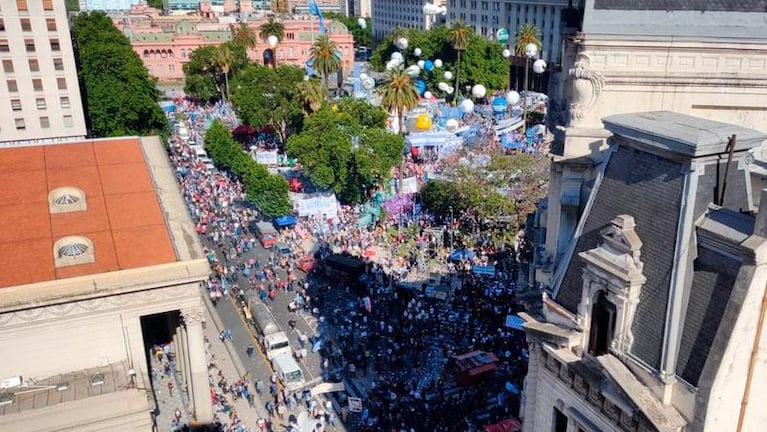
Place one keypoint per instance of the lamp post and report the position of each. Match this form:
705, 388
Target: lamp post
507, 55
273, 41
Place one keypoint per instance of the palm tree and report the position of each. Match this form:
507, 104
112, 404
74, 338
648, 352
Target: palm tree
398, 93
312, 94
272, 28
526, 34
244, 36
223, 59
458, 36
324, 57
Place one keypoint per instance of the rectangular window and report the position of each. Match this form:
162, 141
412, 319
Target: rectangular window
51, 23
34, 65
26, 25
40, 103
21, 5
64, 102
8, 66
55, 45
48, 5
45, 123
560, 421
20, 124
61, 83
2, 25
68, 122
12, 86
37, 84
4, 47
16, 104
30, 44
58, 64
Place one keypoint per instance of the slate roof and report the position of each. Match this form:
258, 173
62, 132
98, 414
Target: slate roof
649, 188
713, 278
684, 5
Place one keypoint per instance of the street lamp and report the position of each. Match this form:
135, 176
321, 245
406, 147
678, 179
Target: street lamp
507, 55
273, 41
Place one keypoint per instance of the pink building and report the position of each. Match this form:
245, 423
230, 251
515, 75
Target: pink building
165, 43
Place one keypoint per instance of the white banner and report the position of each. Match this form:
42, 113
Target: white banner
265, 157
409, 185
318, 205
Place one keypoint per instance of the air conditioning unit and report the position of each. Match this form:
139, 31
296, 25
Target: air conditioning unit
11, 382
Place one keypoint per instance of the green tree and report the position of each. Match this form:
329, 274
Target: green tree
483, 63
120, 96
243, 35
459, 36
72, 5
312, 94
157, 4
325, 58
205, 77
526, 34
270, 97
399, 94
327, 154
363, 36
268, 192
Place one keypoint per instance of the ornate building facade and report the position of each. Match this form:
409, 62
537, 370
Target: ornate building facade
99, 257
165, 43
654, 320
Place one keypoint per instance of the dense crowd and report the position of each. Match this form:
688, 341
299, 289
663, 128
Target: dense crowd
401, 339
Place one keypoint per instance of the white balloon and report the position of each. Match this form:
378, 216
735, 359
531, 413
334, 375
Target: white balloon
391, 65
402, 43
506, 53
467, 106
437, 63
443, 86
450, 90
531, 50
451, 124
448, 75
363, 75
413, 70
417, 52
421, 63
427, 94
273, 40
368, 83
478, 91
397, 56
361, 22
539, 66
512, 97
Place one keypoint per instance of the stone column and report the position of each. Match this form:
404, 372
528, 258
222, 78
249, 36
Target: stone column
199, 389
530, 389
181, 355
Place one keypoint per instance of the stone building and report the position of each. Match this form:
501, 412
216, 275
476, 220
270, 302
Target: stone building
165, 43
707, 59
653, 320
99, 260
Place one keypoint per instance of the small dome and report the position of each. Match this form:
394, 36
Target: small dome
72, 250
66, 199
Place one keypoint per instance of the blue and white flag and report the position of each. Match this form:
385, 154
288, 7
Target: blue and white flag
315, 10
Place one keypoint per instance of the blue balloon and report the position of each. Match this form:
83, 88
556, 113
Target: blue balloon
500, 104
428, 66
420, 86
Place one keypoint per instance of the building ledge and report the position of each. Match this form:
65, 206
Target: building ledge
550, 333
664, 418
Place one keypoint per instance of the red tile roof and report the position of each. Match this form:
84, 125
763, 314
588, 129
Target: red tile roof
123, 219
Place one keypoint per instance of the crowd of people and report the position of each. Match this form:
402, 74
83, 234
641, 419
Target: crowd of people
402, 340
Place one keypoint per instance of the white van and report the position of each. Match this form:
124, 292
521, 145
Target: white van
288, 371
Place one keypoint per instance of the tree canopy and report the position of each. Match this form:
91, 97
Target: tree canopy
263, 96
120, 96
268, 192
210, 67
481, 62
327, 152
362, 36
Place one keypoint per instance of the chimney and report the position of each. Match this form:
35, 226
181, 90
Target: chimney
760, 225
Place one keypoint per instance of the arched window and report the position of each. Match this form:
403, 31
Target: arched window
170, 53
602, 325
66, 199
73, 250
146, 54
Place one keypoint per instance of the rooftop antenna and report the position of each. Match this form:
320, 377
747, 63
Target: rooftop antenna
731, 148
